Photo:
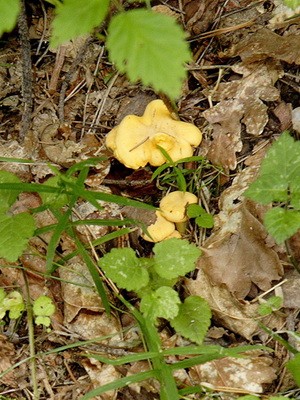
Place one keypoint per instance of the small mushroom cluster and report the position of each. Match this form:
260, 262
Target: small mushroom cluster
171, 217
135, 140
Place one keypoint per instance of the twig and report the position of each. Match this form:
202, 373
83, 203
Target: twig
32, 361
26, 72
69, 75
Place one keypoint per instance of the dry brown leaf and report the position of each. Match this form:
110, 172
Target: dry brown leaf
249, 374
265, 44
227, 310
199, 15
240, 101
83, 309
100, 375
236, 254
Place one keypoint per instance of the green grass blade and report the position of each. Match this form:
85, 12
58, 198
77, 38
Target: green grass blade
119, 383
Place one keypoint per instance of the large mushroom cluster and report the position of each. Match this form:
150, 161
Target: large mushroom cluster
137, 141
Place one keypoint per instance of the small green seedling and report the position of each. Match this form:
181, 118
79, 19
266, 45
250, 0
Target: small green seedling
202, 218
266, 307
43, 308
153, 280
279, 183
12, 303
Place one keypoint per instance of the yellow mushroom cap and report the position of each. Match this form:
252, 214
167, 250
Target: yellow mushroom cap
134, 141
160, 230
173, 205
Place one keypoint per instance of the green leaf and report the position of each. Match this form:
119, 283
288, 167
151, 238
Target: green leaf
175, 257
281, 223
15, 231
205, 221
14, 303
77, 17
124, 268
7, 196
249, 397
8, 15
294, 367
43, 306
42, 320
293, 4
163, 303
194, 210
57, 200
274, 303
150, 47
280, 169
193, 319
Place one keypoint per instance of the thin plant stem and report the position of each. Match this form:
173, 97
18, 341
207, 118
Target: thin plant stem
32, 361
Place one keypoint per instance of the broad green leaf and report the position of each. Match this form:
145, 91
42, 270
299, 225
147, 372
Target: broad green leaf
175, 257
267, 189
281, 223
124, 268
163, 303
283, 159
294, 367
15, 231
8, 15
150, 47
193, 319
43, 306
77, 17
8, 197
249, 397
57, 200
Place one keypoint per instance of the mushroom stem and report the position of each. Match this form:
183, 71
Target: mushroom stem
181, 227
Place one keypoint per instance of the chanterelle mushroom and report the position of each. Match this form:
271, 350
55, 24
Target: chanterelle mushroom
173, 205
161, 229
134, 141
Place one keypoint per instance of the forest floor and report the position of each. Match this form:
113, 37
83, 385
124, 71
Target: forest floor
241, 89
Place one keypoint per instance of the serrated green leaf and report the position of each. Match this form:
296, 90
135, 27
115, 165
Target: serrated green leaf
282, 159
8, 197
267, 189
15, 231
124, 268
75, 18
175, 257
43, 306
294, 367
150, 47
163, 303
281, 223
193, 319
8, 15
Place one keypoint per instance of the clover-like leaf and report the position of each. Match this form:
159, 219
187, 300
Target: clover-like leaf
124, 268
175, 257
163, 303
14, 303
43, 306
193, 319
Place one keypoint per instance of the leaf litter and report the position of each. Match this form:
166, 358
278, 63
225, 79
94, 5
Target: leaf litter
248, 106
